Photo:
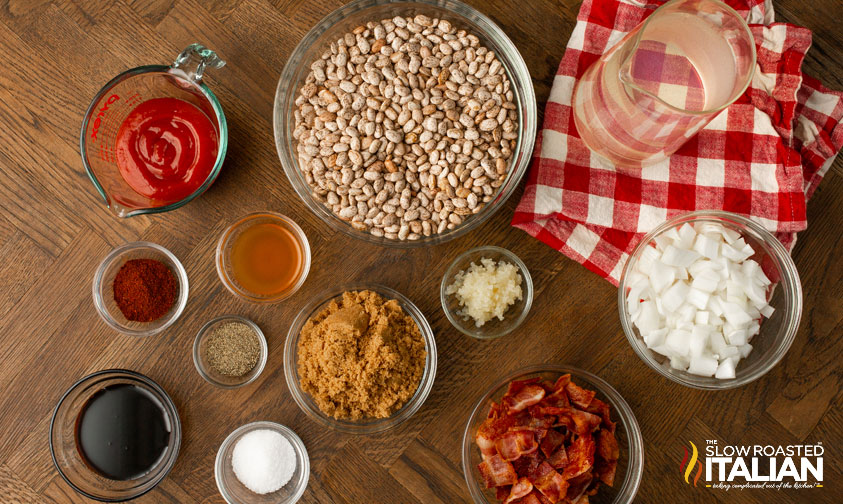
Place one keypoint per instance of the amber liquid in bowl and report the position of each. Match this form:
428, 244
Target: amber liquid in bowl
266, 259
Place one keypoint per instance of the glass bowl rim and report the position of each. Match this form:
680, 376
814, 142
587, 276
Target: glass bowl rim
410, 408
180, 274
221, 151
625, 415
791, 285
288, 433
244, 220
527, 291
259, 367
162, 394
528, 119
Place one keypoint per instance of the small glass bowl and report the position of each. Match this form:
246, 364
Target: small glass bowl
359, 12
630, 440
514, 315
66, 455
235, 492
369, 426
208, 373
104, 280
777, 332
226, 241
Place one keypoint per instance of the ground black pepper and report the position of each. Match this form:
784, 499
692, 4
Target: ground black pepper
232, 349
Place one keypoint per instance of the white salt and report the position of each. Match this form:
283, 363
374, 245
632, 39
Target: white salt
263, 460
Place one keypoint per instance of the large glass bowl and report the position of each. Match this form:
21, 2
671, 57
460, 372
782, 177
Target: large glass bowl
366, 426
344, 20
66, 454
777, 332
630, 441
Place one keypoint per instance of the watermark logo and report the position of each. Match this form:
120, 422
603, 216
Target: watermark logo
727, 467
687, 466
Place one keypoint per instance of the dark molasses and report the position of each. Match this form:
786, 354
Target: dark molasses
123, 432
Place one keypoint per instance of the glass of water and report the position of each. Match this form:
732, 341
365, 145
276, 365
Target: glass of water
664, 81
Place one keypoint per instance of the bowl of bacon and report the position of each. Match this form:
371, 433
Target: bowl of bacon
552, 434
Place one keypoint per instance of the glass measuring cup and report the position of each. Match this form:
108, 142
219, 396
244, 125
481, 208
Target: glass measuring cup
119, 97
664, 81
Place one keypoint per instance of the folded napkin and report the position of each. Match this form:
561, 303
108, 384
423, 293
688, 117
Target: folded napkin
762, 157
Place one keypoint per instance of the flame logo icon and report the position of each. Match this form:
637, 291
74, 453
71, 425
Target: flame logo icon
687, 466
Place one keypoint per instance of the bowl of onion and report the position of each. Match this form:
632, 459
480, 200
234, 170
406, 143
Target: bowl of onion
710, 300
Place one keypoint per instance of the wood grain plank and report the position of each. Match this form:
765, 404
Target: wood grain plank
85, 13
14, 490
342, 483
46, 306
23, 263
152, 11
431, 478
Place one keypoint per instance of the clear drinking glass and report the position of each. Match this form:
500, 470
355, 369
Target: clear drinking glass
665, 80
111, 105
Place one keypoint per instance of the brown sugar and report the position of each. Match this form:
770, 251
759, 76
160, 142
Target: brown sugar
361, 357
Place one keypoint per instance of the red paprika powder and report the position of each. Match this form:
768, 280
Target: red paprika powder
145, 289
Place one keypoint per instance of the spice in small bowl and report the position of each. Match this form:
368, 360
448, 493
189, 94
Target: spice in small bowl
140, 289
144, 289
233, 349
230, 351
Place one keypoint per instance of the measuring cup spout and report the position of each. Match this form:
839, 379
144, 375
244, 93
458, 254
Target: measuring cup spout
195, 59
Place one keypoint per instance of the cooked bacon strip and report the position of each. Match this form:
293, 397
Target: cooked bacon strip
580, 422
551, 442
558, 399
580, 456
559, 459
497, 472
502, 492
549, 482
531, 498
513, 444
607, 446
578, 395
527, 396
533, 419
517, 385
548, 386
605, 470
526, 464
486, 445
519, 490
495, 411
577, 487
562, 382
598, 407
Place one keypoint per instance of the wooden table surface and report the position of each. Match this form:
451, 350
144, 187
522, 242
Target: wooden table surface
54, 231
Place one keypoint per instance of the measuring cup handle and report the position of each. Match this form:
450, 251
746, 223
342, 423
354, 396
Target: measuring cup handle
194, 59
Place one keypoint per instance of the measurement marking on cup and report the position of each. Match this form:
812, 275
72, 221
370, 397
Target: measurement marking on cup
98, 121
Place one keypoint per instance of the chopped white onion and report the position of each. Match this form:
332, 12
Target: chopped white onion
697, 298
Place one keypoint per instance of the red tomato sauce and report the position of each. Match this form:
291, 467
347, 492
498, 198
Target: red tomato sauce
166, 148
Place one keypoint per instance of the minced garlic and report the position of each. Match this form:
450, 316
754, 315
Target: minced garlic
486, 290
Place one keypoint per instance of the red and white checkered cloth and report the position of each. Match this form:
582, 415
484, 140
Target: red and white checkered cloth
761, 157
